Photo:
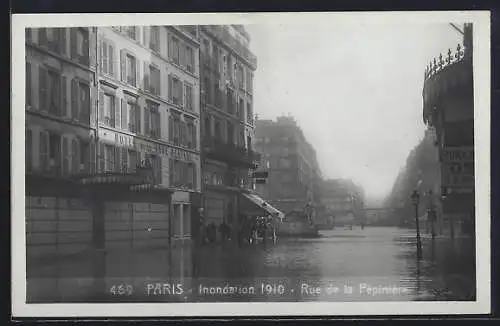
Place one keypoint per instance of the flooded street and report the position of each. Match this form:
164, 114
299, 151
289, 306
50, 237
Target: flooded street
374, 264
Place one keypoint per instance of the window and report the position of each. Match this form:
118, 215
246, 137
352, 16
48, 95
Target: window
49, 91
29, 150
154, 38
65, 156
175, 129
218, 130
189, 96
75, 159
80, 45
131, 69
84, 102
175, 90
84, 156
230, 133
156, 163
52, 38
154, 79
230, 101
28, 84
190, 134
152, 120
241, 109
191, 181
134, 117
44, 151
249, 113
206, 52
133, 160
240, 77
55, 153
109, 158
208, 128
217, 94
189, 59
131, 32
107, 58
215, 55
249, 83
207, 90
109, 110
174, 50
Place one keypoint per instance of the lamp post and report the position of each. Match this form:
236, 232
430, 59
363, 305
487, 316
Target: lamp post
415, 197
432, 214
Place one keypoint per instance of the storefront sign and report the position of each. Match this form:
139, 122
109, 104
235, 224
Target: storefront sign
160, 149
457, 167
123, 140
116, 138
458, 154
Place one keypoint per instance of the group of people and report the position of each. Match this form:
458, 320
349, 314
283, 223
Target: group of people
251, 231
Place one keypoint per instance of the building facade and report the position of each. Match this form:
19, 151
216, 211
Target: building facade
448, 98
59, 139
293, 172
227, 68
112, 137
148, 112
343, 200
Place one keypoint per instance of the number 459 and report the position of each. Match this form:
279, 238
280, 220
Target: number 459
121, 289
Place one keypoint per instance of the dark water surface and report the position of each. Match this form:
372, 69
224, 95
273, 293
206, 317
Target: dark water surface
374, 264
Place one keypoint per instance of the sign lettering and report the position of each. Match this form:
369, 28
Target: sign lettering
460, 154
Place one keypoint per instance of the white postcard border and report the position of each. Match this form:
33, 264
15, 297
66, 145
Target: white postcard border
481, 21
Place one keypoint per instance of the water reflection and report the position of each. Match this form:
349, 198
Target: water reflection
374, 264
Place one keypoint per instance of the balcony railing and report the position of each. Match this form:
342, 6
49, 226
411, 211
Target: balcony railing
440, 63
443, 74
222, 33
232, 154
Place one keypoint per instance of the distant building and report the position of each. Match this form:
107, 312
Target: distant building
342, 198
291, 162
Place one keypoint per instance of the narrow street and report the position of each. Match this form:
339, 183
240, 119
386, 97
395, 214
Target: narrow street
292, 270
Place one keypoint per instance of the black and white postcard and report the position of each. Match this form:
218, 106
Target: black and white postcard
273, 164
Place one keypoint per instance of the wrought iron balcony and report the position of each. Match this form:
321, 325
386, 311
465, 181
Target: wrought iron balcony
230, 153
443, 75
222, 33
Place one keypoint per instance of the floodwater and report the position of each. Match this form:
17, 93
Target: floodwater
371, 264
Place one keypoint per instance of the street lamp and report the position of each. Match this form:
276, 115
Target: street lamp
415, 197
432, 214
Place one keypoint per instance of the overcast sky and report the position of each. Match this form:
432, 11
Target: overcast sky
355, 90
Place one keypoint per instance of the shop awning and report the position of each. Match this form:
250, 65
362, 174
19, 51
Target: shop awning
261, 203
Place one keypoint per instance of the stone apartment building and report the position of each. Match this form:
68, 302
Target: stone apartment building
227, 69
112, 138
293, 172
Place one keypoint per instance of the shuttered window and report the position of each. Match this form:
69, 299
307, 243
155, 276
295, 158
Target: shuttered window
133, 162
75, 159
189, 96
44, 151
154, 38
65, 155
107, 57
